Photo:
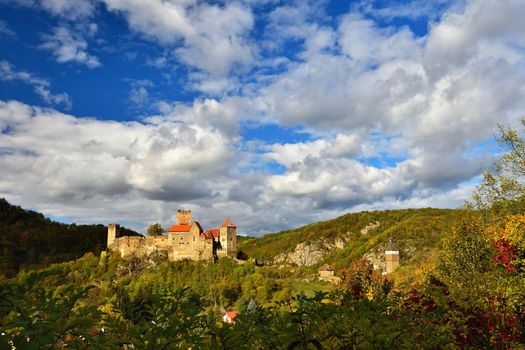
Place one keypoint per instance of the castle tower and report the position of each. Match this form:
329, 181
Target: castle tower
228, 237
391, 257
183, 217
112, 234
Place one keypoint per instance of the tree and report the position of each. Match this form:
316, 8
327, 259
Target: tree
155, 230
503, 188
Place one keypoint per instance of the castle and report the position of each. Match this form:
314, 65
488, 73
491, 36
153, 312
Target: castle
185, 240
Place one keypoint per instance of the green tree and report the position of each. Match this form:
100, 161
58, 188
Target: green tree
155, 230
503, 188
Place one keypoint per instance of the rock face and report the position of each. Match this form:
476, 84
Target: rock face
310, 253
376, 257
371, 226
136, 265
303, 255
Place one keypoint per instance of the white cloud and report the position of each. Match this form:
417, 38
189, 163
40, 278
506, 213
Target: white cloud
67, 46
394, 118
413, 9
41, 86
79, 160
67, 9
54, 99
5, 30
9, 73
211, 38
363, 41
139, 95
70, 9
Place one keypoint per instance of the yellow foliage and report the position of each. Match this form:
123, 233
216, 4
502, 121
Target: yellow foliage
511, 229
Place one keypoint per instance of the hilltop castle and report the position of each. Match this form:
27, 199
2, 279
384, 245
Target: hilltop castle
185, 240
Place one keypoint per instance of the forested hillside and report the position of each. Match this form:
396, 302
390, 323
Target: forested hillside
28, 239
416, 233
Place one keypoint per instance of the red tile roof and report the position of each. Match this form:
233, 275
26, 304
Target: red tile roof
213, 232
180, 228
228, 223
206, 234
231, 314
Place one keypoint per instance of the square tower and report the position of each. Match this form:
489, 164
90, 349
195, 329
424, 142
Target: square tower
392, 260
228, 237
112, 234
183, 217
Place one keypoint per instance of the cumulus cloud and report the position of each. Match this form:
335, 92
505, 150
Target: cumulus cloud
394, 118
437, 92
89, 157
68, 46
91, 166
211, 38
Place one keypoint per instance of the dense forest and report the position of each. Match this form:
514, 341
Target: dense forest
28, 239
467, 292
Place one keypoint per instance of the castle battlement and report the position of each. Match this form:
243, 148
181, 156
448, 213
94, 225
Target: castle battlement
184, 240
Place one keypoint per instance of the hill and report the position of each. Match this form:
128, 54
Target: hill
29, 239
416, 233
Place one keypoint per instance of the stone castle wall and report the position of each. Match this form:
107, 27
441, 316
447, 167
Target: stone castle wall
178, 245
140, 246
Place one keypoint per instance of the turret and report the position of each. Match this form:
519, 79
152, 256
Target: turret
228, 237
391, 257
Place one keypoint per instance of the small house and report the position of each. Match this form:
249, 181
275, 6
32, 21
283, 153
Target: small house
229, 317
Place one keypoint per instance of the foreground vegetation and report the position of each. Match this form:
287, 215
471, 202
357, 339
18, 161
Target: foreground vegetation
469, 294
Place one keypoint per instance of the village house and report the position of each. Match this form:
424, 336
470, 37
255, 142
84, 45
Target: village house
184, 240
229, 317
326, 273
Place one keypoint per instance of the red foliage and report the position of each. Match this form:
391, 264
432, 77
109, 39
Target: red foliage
505, 254
419, 302
357, 276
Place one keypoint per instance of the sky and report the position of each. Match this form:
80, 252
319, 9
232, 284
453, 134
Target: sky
274, 113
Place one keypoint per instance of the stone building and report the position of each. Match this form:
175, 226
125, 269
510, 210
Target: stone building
392, 260
327, 273
184, 240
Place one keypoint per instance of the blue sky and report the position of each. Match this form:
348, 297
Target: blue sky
276, 113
